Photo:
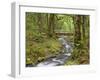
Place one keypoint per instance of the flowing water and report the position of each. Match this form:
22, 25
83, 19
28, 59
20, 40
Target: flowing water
59, 59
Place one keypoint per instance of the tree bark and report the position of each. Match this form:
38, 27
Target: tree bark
51, 25
77, 27
40, 23
83, 26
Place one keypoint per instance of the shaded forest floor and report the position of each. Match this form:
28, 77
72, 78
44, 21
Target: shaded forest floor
46, 48
42, 41
80, 54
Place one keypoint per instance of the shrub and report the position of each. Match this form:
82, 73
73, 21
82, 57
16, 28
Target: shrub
41, 50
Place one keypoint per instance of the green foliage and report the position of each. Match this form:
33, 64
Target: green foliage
43, 50
65, 23
71, 62
28, 61
42, 41
80, 55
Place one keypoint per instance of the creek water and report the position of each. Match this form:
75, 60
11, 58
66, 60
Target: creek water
59, 59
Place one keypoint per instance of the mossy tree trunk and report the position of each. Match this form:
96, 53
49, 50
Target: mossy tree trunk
51, 25
77, 29
40, 22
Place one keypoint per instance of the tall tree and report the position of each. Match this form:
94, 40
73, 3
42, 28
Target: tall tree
77, 27
51, 25
84, 24
40, 22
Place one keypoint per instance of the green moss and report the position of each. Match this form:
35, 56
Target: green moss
79, 56
70, 62
28, 61
41, 50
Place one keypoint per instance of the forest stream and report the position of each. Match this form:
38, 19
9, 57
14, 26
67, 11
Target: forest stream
53, 39
59, 59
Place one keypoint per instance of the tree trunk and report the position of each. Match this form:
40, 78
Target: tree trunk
40, 23
77, 27
83, 26
51, 25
